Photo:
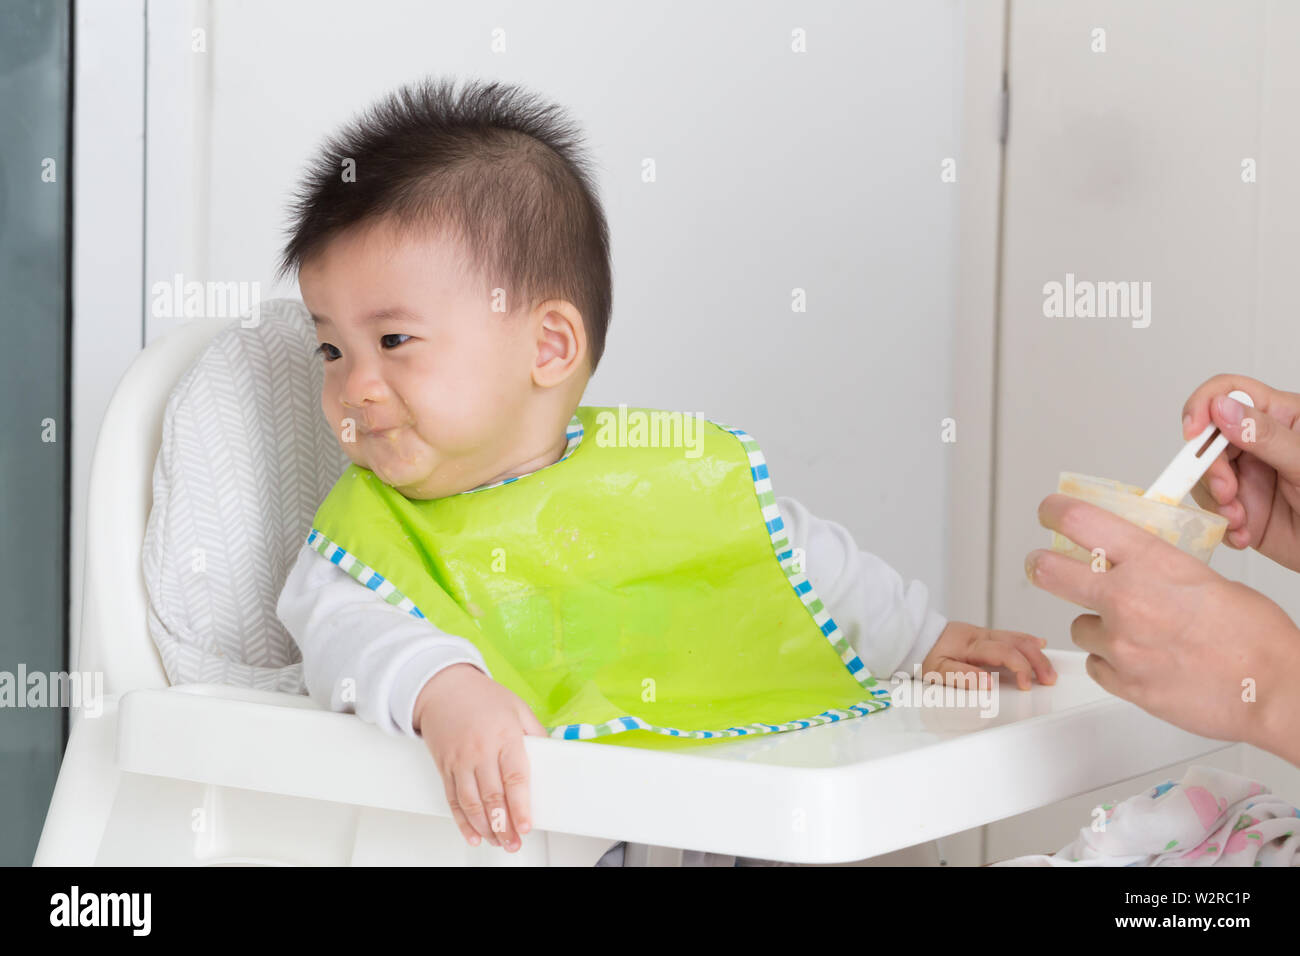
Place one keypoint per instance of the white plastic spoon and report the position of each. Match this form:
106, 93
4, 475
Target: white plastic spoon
1188, 465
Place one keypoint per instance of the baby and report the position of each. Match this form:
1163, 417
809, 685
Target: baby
455, 259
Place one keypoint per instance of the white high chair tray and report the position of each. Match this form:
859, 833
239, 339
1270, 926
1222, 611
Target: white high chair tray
835, 793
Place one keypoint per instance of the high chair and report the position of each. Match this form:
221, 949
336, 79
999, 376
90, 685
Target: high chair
214, 773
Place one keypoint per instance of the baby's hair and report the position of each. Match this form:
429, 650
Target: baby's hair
498, 166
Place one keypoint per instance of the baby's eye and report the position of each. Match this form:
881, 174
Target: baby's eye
322, 351
395, 335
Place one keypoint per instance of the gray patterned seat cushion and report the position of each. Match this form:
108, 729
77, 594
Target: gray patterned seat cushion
246, 458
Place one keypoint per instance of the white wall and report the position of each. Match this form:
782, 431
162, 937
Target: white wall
776, 170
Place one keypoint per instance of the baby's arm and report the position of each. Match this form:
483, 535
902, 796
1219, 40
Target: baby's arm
361, 654
890, 624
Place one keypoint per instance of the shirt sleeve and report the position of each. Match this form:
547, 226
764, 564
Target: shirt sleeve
361, 654
889, 623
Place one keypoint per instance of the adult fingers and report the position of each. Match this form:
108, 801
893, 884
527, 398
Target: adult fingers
1212, 501
1196, 410
1065, 577
1220, 479
1089, 633
1255, 501
1091, 527
1258, 432
1100, 670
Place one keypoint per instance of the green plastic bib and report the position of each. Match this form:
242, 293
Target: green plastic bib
641, 590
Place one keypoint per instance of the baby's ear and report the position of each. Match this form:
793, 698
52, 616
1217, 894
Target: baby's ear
561, 344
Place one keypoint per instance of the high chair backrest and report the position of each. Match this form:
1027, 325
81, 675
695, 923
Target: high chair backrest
209, 464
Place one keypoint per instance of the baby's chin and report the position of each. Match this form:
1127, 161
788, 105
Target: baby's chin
418, 477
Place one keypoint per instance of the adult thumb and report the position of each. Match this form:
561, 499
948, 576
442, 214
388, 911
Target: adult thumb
1259, 433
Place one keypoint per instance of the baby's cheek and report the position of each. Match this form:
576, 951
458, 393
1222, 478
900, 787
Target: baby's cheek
455, 407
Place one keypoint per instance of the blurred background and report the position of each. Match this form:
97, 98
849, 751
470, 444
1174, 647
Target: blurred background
915, 172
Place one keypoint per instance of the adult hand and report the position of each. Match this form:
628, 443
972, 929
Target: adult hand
1183, 643
1255, 484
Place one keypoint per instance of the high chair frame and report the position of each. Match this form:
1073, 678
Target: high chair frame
213, 775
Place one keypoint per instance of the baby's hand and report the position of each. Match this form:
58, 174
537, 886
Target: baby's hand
967, 649
475, 728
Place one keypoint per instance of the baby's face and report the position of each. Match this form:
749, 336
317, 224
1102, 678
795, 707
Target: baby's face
424, 385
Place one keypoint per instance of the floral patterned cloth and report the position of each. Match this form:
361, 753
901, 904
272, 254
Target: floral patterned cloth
1209, 818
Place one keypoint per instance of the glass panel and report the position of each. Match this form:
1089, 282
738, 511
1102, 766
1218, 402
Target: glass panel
34, 188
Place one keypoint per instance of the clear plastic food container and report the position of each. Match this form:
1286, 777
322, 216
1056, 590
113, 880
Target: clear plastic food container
1187, 527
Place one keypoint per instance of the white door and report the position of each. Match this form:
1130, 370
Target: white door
1127, 166
1128, 129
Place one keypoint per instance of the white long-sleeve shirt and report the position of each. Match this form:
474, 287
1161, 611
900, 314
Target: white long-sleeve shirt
362, 655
